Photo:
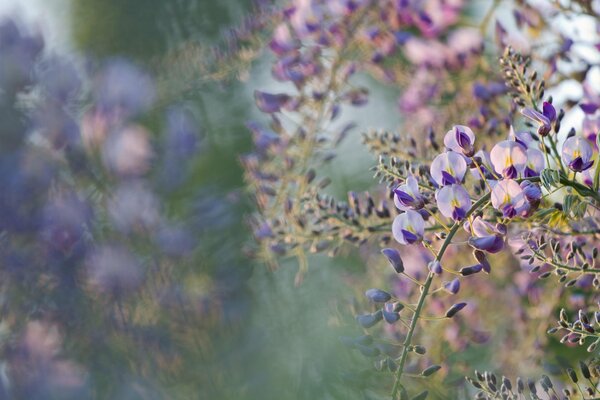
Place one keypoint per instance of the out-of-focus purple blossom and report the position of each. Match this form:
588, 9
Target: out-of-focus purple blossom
182, 133
133, 208
508, 198
486, 236
39, 370
428, 53
174, 240
112, 269
20, 50
460, 139
123, 89
282, 41
587, 176
127, 152
589, 108
59, 79
577, 153
408, 228
448, 168
463, 43
544, 119
407, 196
95, 126
591, 128
453, 201
53, 124
486, 92
65, 220
271, 103
508, 158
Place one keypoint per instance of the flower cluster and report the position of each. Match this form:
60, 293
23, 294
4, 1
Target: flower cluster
509, 170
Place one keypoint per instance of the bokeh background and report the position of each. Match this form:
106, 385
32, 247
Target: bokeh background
263, 337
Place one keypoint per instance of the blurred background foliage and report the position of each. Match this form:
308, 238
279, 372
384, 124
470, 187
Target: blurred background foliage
270, 339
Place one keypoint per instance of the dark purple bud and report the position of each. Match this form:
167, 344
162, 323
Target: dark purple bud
452, 311
589, 108
394, 258
492, 244
531, 191
430, 371
435, 267
485, 266
473, 269
270, 103
368, 320
453, 286
389, 314
378, 295
368, 351
549, 111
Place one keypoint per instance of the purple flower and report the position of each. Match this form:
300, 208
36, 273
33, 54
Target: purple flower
535, 163
509, 158
270, 103
124, 89
591, 128
589, 108
453, 201
483, 162
508, 197
453, 286
408, 228
533, 194
436, 267
544, 118
394, 258
577, 153
587, 177
486, 236
282, 41
448, 168
523, 138
460, 139
407, 196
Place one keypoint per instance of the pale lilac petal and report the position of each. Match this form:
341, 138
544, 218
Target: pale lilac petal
577, 153
408, 222
448, 164
507, 154
453, 201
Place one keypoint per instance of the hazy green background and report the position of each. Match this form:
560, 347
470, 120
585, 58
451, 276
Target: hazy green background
273, 340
